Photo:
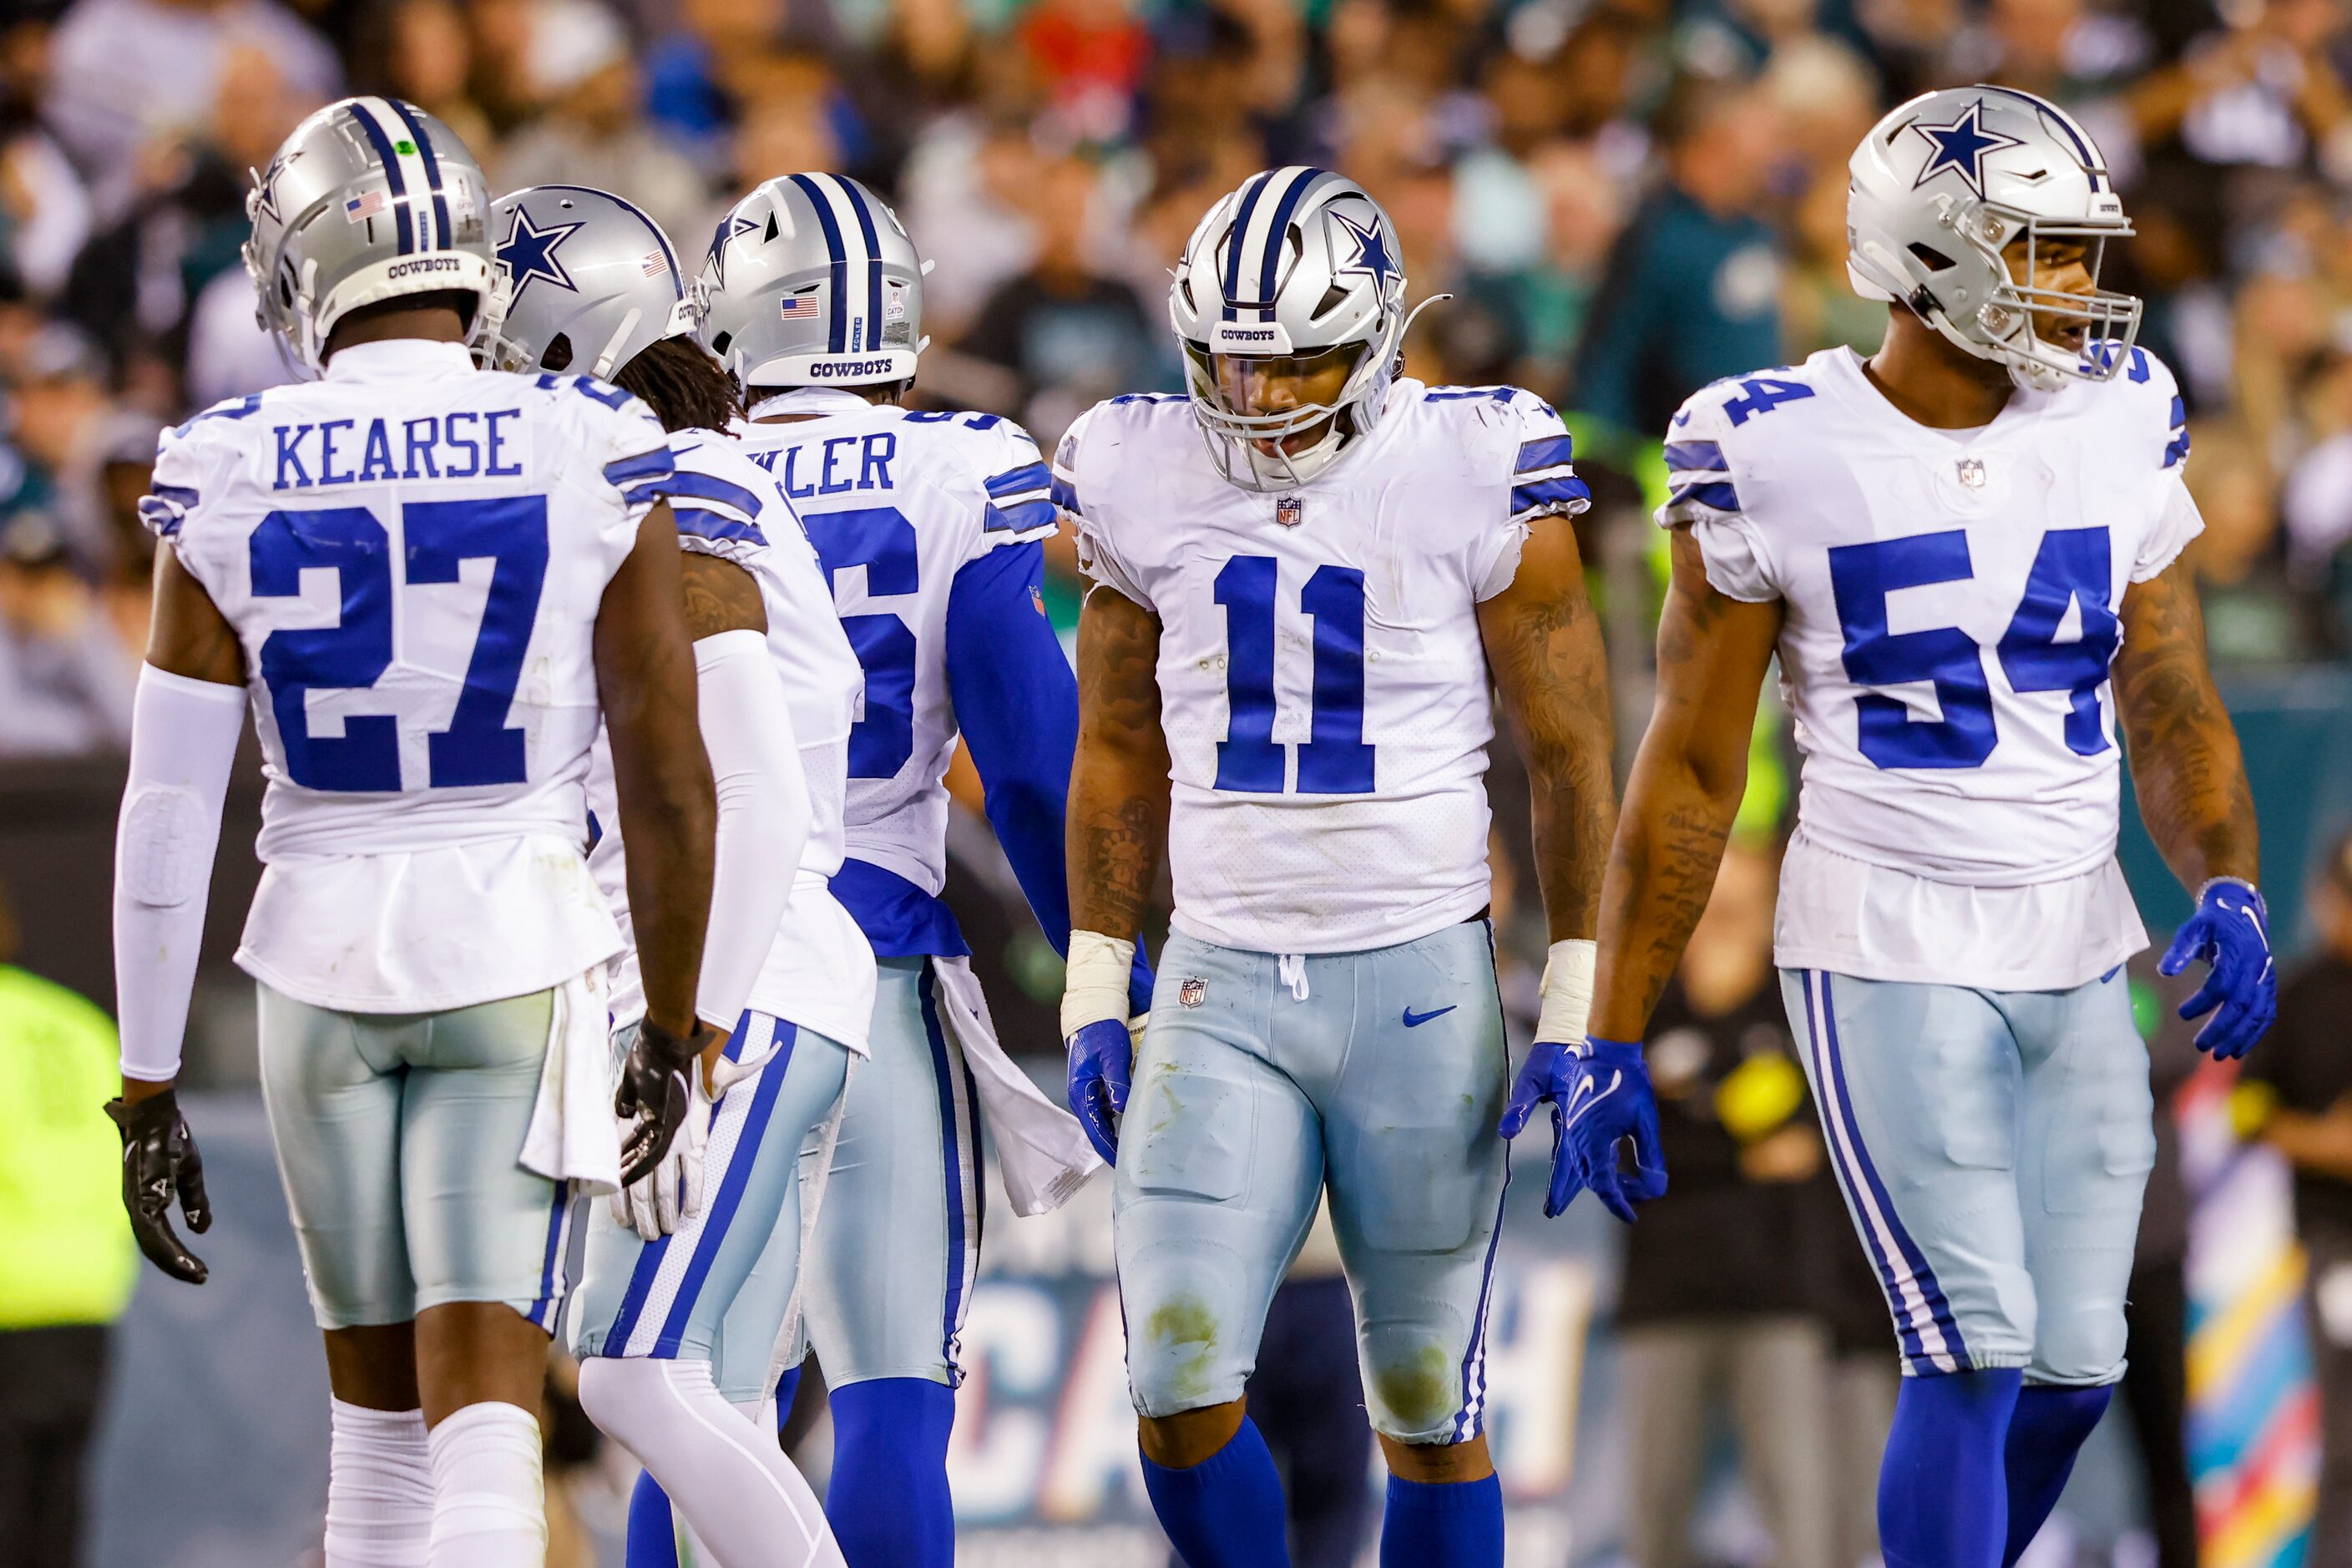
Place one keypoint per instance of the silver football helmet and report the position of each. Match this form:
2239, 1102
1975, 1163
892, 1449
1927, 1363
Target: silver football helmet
1943, 185
590, 280
369, 199
1289, 277
812, 281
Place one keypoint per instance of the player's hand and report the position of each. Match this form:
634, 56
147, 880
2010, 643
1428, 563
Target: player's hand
1600, 1093
2231, 932
655, 1093
1102, 1057
659, 1203
160, 1162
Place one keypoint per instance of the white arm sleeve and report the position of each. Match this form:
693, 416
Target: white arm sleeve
763, 815
184, 737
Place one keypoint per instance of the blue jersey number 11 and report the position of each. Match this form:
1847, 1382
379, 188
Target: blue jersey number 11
1336, 759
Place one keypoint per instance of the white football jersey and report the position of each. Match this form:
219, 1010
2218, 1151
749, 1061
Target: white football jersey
895, 502
1953, 605
412, 552
819, 971
1323, 685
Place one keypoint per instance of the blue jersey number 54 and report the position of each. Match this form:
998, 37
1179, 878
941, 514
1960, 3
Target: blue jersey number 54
2073, 566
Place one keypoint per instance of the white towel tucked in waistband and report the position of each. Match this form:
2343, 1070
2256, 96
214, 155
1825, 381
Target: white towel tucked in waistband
574, 1135
1040, 1147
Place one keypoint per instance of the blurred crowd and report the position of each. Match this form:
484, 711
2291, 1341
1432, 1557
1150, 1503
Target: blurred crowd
1626, 198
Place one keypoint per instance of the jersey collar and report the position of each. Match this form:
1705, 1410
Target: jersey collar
388, 358
808, 400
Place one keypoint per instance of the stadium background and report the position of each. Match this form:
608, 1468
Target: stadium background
1628, 198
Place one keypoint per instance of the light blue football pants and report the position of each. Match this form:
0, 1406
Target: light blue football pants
720, 1289
1380, 1075
1992, 1147
399, 1139
896, 1244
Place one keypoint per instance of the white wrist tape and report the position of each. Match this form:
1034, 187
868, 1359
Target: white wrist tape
1567, 990
184, 736
1094, 986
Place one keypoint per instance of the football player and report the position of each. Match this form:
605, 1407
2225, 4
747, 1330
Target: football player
429, 581
1965, 551
669, 1345
930, 527
1314, 576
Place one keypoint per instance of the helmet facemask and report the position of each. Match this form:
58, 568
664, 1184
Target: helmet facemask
1264, 429
2009, 326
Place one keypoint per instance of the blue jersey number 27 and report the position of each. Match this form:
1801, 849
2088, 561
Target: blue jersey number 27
1336, 759
478, 747
2073, 566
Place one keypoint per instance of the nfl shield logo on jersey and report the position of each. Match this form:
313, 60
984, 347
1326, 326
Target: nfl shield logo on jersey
1289, 511
1972, 472
1193, 992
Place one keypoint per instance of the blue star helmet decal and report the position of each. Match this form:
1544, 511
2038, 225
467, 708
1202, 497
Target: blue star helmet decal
1961, 146
1372, 256
529, 252
730, 227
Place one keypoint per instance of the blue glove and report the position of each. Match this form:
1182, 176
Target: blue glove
2231, 932
1102, 1055
1600, 1092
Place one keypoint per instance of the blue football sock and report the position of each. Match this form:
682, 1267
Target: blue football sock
888, 1497
786, 1391
1226, 1510
653, 1539
1442, 1524
1942, 1499
2045, 1432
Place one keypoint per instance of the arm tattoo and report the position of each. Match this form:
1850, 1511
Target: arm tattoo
2185, 762
1118, 784
720, 597
1685, 789
1543, 644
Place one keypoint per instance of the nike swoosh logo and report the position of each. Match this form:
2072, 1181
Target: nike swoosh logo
1586, 1096
1413, 1020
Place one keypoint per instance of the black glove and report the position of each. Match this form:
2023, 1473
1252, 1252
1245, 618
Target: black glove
159, 1157
655, 1094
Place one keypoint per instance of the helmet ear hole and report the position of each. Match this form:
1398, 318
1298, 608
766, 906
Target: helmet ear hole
559, 352
719, 341
1936, 260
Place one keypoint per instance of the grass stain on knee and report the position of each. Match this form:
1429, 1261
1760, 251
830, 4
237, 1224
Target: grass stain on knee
1187, 1329
1418, 1392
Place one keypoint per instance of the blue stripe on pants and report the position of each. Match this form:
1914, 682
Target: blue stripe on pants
1924, 1322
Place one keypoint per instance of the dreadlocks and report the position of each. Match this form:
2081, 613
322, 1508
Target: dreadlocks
682, 384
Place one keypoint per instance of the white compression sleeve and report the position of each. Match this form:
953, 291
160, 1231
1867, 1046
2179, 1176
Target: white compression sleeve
747, 1504
184, 737
764, 814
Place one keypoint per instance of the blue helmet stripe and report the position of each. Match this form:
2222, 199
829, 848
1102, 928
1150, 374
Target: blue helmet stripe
1251, 191
382, 144
2083, 148
432, 171
873, 261
837, 337
1270, 264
